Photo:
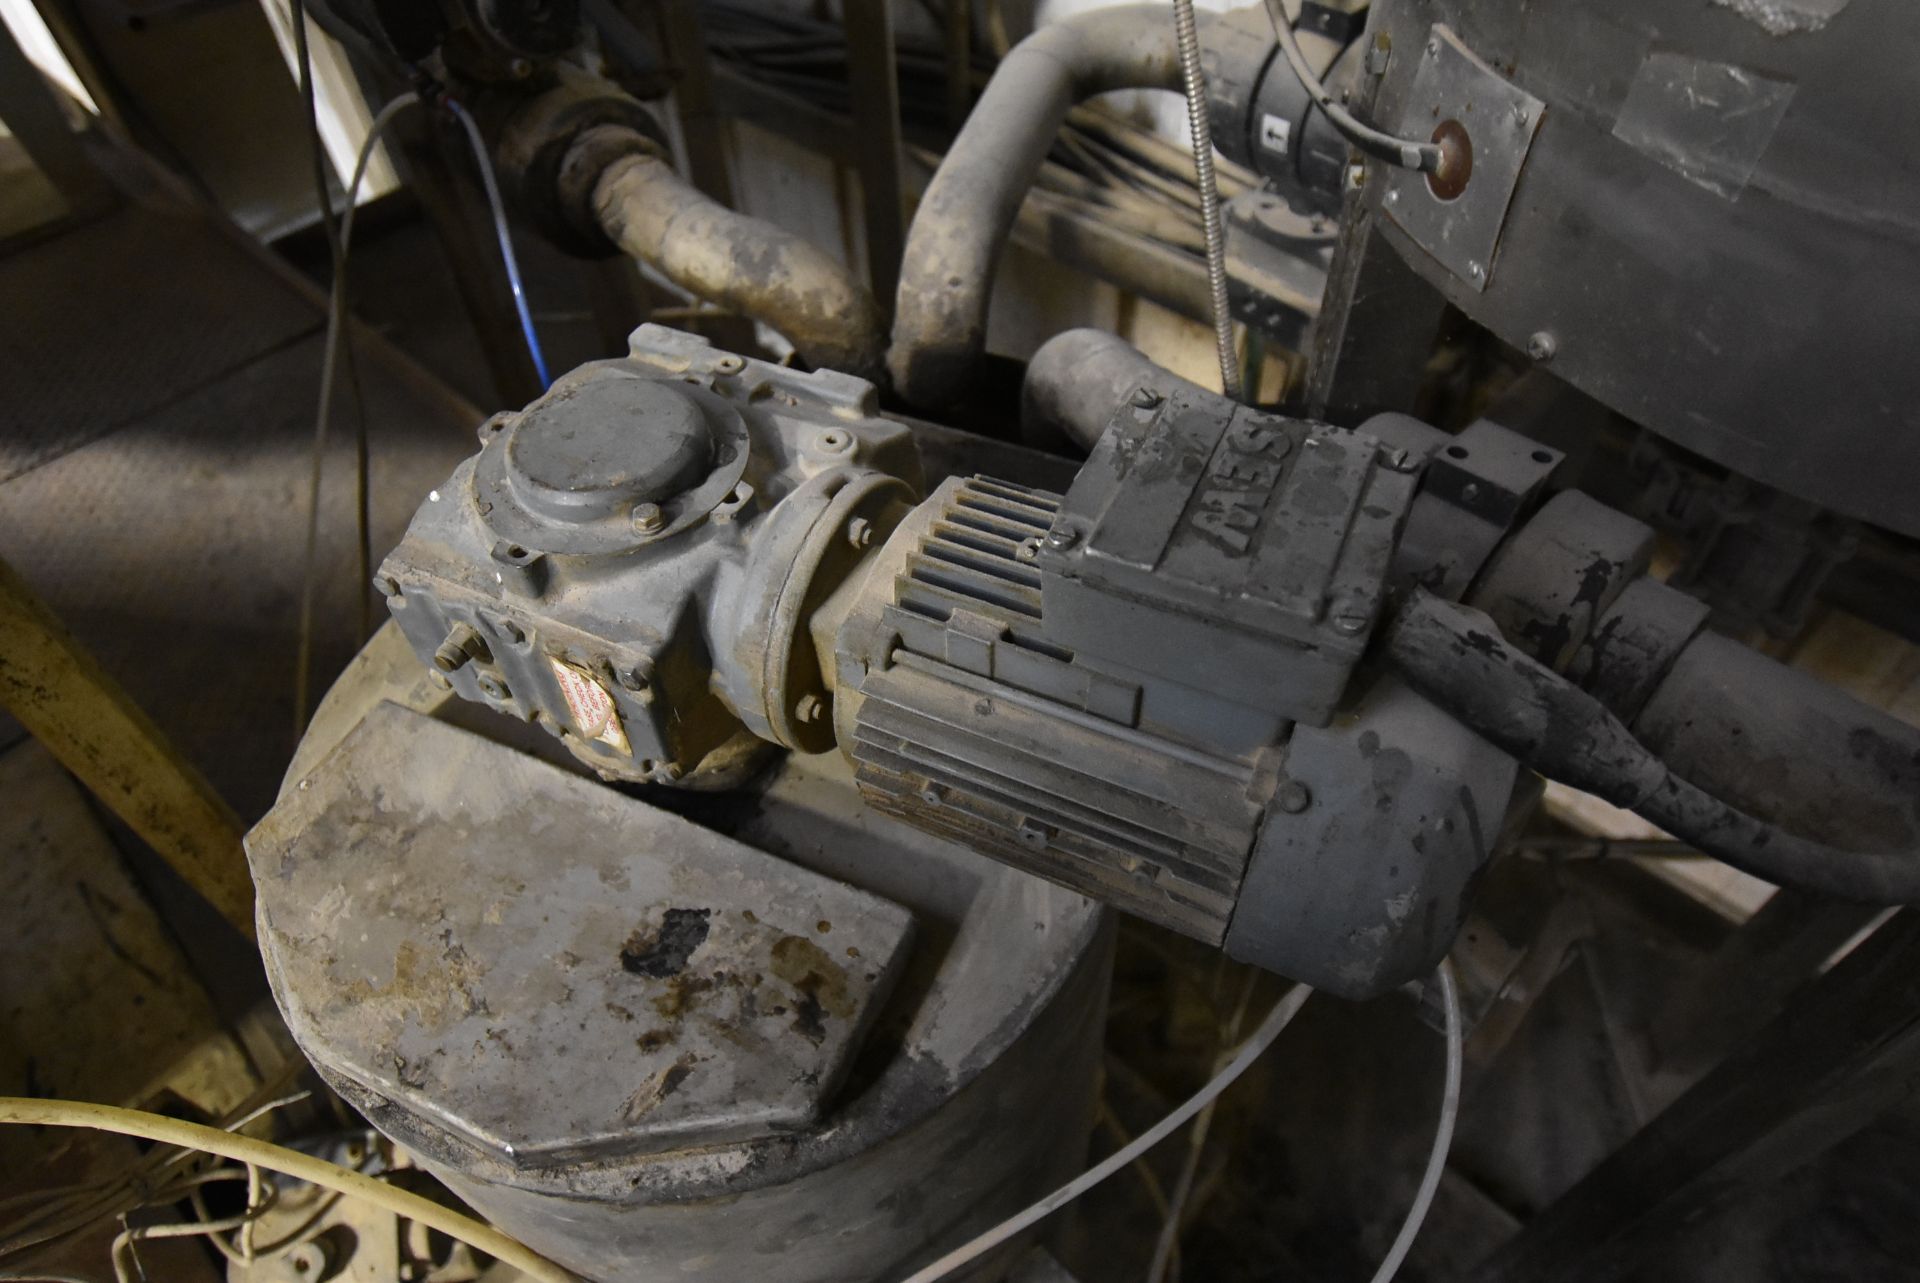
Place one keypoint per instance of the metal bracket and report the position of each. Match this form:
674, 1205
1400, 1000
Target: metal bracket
1498, 120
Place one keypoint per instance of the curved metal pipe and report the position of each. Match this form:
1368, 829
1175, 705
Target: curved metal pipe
1079, 378
954, 245
742, 262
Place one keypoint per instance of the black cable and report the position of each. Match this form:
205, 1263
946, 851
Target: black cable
1404, 152
1458, 658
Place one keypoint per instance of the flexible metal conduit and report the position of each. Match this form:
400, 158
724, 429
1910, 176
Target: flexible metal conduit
954, 245
748, 264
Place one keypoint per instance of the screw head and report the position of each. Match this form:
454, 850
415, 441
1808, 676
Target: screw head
1433, 46
860, 532
1476, 271
809, 710
1146, 399
1061, 538
729, 365
1541, 345
648, 518
1293, 797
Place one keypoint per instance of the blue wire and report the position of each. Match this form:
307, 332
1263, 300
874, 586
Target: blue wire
506, 242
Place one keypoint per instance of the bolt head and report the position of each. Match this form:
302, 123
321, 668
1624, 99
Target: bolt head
1541, 346
860, 532
809, 710
1061, 538
1350, 622
1357, 173
1433, 46
1476, 271
648, 518
1293, 797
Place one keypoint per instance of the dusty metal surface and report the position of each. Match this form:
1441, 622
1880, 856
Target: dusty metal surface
1464, 103
416, 952
975, 1094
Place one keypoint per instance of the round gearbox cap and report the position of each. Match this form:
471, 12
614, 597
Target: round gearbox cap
604, 464
605, 447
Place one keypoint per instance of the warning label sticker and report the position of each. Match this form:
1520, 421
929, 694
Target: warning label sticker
591, 706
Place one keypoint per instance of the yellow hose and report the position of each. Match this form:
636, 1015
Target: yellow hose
288, 1162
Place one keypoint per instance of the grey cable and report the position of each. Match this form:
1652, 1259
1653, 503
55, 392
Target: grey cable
1442, 1134
336, 320
1404, 152
1261, 1038
1195, 80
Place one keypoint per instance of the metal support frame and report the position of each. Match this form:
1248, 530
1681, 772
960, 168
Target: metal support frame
1843, 1051
875, 82
67, 701
34, 116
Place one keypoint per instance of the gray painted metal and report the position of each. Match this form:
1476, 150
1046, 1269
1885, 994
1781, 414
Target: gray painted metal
1362, 884
973, 1096
1236, 553
1710, 226
1454, 87
632, 556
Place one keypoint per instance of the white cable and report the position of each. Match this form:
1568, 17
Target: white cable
1442, 1135
288, 1162
1250, 1050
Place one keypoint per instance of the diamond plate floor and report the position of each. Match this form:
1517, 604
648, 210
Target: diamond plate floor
154, 451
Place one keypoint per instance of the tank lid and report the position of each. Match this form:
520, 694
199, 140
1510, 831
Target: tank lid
550, 970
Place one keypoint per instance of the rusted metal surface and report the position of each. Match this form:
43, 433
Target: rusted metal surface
62, 695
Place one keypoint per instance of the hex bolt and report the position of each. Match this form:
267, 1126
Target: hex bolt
1541, 345
1061, 538
462, 644
648, 518
1146, 399
860, 532
1293, 797
809, 709
637, 677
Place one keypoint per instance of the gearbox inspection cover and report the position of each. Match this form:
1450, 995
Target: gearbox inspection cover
546, 968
